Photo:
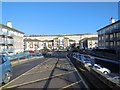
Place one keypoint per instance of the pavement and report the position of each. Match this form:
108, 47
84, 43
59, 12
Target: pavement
52, 73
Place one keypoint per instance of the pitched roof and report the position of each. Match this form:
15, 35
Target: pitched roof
13, 29
109, 25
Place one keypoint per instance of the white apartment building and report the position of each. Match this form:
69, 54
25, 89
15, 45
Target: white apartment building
89, 43
109, 36
62, 41
11, 39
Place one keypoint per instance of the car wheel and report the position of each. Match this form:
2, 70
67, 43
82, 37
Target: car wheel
7, 77
105, 72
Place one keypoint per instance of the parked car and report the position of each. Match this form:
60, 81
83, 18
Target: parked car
116, 78
101, 69
5, 69
31, 51
85, 58
39, 54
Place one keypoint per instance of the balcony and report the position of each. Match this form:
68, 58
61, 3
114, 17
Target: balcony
4, 50
10, 35
107, 39
118, 38
4, 33
11, 50
107, 32
9, 42
113, 47
7, 50
2, 42
112, 31
116, 30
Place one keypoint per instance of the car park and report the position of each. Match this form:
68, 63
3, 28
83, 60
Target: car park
5, 69
89, 61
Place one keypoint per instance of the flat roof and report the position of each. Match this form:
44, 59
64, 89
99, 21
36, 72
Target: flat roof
59, 35
108, 25
13, 29
91, 38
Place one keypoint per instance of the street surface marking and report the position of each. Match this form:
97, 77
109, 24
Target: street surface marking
39, 80
25, 73
70, 85
79, 75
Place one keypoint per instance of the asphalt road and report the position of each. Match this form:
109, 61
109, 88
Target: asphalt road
46, 73
22, 68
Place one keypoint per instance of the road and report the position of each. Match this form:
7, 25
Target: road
22, 68
46, 73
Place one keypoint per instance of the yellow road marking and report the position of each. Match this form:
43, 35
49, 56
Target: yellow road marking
69, 85
79, 75
24, 73
39, 80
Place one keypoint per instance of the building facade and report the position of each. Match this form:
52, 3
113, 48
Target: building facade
37, 42
88, 43
109, 36
11, 40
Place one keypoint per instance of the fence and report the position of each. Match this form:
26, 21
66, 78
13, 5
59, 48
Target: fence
23, 55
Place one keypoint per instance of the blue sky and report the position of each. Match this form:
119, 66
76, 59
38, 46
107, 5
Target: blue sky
59, 17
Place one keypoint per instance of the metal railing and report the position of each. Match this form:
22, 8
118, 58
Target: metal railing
24, 55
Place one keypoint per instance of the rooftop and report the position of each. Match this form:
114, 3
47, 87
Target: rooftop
108, 25
59, 35
13, 29
92, 38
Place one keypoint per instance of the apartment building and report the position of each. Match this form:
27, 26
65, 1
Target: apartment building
62, 41
89, 43
109, 36
11, 39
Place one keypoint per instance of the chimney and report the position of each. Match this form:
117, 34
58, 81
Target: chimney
112, 20
9, 24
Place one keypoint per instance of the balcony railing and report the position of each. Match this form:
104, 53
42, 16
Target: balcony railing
112, 39
10, 34
107, 39
107, 32
112, 31
7, 42
116, 30
2, 42
4, 33
11, 50
10, 42
7, 50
